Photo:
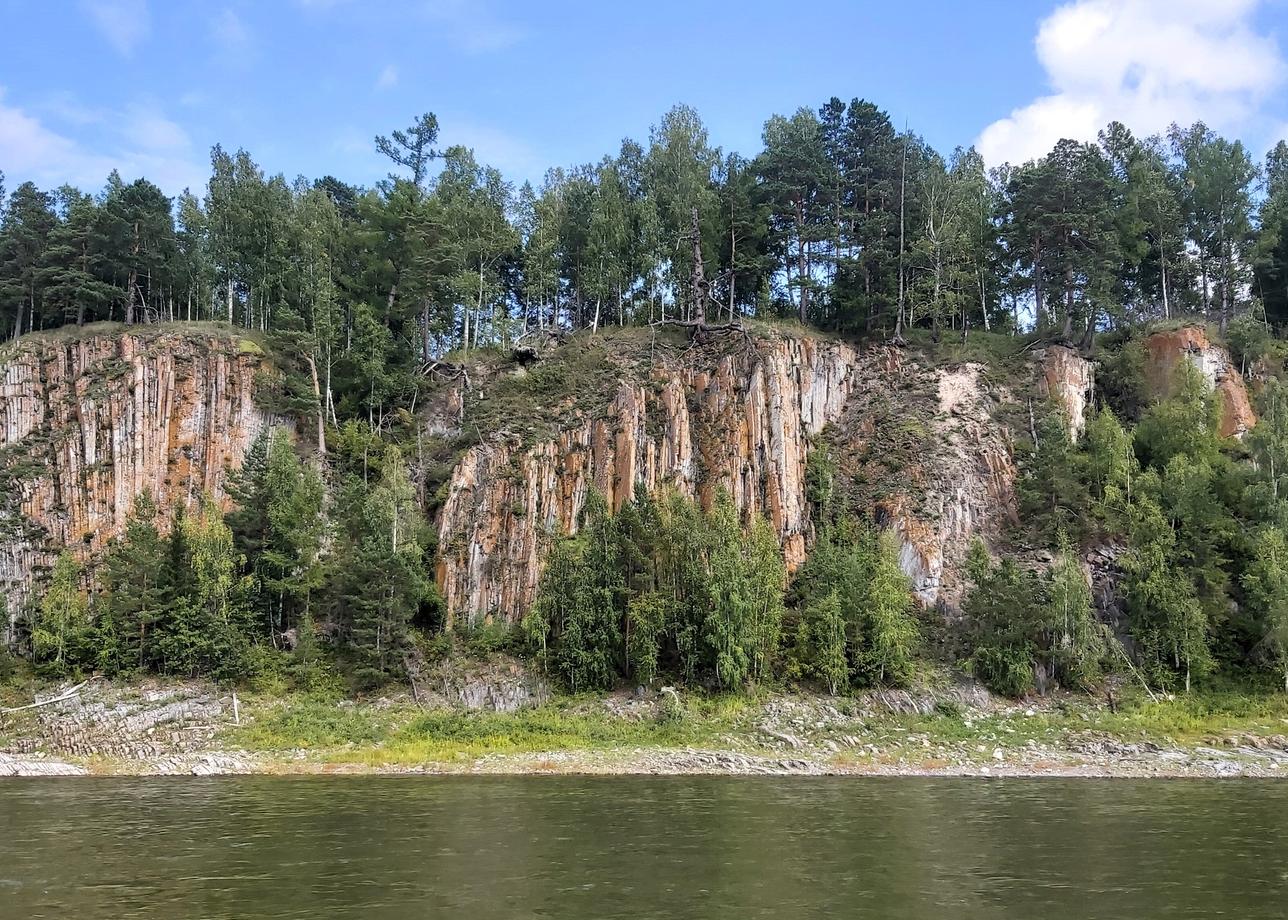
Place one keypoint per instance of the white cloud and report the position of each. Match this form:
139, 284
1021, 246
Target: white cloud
139, 142
149, 129
124, 23
473, 25
1146, 63
388, 77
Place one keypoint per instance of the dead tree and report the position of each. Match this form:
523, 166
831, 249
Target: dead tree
700, 293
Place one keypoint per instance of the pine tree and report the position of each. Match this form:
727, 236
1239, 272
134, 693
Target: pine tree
138, 592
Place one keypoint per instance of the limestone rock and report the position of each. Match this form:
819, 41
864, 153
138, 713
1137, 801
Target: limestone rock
1067, 378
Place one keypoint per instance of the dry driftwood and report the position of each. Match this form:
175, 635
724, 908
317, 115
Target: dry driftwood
57, 699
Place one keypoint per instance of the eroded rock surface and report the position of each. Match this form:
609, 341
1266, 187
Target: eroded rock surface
1190, 343
1068, 379
742, 422
88, 425
100, 721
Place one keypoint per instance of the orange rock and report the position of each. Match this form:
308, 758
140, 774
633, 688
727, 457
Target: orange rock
1166, 350
108, 417
1067, 378
745, 424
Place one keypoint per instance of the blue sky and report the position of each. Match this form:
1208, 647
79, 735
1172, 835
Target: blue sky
147, 86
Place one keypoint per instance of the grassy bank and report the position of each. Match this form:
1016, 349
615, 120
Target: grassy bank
839, 732
401, 734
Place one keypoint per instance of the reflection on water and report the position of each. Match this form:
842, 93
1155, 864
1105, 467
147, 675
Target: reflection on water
587, 849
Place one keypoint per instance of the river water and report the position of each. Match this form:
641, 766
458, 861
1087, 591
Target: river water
593, 848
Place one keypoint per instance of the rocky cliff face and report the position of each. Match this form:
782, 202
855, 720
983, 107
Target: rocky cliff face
1069, 379
741, 421
1190, 343
87, 425
927, 449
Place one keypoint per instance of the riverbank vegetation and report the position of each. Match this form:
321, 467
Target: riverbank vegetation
853, 731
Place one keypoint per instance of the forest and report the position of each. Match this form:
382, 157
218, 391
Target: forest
841, 223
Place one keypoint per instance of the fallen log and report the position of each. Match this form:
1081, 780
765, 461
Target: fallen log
58, 699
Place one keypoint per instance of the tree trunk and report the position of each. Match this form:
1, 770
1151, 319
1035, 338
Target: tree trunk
317, 401
698, 281
1067, 330
131, 286
1039, 320
802, 261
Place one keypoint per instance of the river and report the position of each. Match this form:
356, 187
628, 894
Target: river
569, 848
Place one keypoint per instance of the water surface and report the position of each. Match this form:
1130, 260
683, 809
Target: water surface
594, 848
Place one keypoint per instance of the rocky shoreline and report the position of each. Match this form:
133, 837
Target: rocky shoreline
957, 730
1209, 763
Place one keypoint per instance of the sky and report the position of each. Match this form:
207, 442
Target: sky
148, 86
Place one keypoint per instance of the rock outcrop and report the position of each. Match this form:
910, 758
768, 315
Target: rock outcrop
742, 422
88, 424
1191, 343
962, 486
921, 448
1068, 379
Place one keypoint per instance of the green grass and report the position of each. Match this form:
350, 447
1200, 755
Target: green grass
1205, 716
403, 735
246, 341
312, 723
446, 736
1199, 716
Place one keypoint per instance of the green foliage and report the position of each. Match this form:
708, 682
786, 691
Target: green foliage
1120, 380
1265, 582
1052, 493
356, 296
1026, 625
659, 588
1078, 642
1187, 422
62, 623
379, 580
1000, 609
822, 638
852, 591
311, 721
278, 528
1167, 619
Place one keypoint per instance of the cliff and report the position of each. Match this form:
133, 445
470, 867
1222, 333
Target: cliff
87, 423
508, 452
1165, 350
741, 420
926, 447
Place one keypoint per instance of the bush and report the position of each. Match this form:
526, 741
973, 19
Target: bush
488, 639
1007, 670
